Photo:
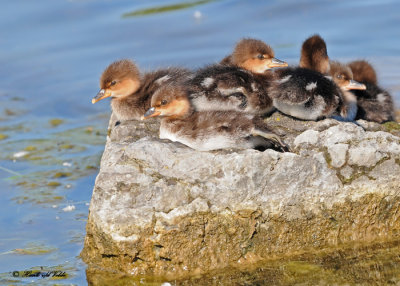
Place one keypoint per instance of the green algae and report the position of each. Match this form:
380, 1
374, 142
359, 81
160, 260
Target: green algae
55, 122
62, 175
374, 264
30, 148
34, 248
14, 128
3, 136
9, 112
391, 125
53, 184
66, 155
67, 146
166, 8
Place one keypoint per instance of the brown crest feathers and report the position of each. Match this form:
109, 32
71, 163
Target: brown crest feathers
119, 70
314, 54
363, 71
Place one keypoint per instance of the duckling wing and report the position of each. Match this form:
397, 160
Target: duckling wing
220, 87
290, 87
374, 104
304, 93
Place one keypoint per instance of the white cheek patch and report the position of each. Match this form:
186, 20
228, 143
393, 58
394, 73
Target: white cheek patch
311, 86
207, 82
163, 79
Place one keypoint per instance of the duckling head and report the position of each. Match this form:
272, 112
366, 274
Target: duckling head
363, 71
314, 55
343, 77
255, 56
169, 101
119, 79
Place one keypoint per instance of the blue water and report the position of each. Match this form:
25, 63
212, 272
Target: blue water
53, 52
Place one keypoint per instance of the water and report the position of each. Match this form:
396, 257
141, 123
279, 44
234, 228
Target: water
51, 56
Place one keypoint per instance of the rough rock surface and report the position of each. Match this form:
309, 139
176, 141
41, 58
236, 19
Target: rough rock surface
161, 208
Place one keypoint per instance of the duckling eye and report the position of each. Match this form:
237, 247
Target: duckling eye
113, 83
164, 102
260, 56
339, 76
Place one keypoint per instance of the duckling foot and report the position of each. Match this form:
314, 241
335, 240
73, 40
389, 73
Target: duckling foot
275, 139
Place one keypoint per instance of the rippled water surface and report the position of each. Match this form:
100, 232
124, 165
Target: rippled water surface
52, 53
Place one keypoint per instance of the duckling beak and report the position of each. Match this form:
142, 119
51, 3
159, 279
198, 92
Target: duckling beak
275, 63
355, 85
152, 112
103, 93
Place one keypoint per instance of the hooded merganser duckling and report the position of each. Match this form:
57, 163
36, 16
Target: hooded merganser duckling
207, 130
239, 82
130, 92
374, 103
363, 71
305, 93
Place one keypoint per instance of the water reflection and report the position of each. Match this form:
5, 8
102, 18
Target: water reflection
376, 264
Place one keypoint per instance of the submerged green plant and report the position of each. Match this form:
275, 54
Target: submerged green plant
55, 122
166, 8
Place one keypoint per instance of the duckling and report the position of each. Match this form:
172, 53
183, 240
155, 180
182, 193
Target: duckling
239, 82
309, 94
363, 71
129, 91
374, 103
343, 77
253, 55
207, 130
369, 103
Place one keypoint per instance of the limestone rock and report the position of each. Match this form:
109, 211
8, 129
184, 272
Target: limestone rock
161, 208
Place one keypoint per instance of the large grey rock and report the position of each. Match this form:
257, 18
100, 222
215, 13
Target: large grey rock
164, 209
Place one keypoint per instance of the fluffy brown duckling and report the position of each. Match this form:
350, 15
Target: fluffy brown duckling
309, 95
374, 103
129, 91
239, 83
208, 130
253, 55
305, 93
